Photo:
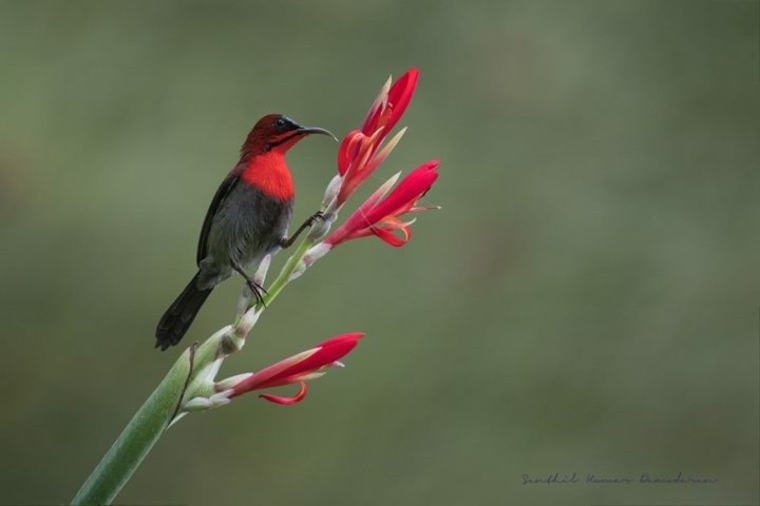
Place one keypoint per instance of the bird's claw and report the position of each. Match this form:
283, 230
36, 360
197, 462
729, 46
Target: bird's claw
257, 290
318, 216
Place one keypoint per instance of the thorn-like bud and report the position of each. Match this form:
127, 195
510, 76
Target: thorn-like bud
243, 300
197, 404
205, 403
230, 382
246, 322
261, 272
312, 255
177, 418
297, 272
331, 192
315, 253
220, 399
207, 375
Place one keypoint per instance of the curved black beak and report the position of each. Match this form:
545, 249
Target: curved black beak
315, 130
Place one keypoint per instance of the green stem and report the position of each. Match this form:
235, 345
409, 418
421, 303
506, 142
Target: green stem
139, 436
287, 270
153, 417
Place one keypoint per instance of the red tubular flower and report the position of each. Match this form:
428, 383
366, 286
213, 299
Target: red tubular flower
358, 154
382, 217
391, 103
296, 369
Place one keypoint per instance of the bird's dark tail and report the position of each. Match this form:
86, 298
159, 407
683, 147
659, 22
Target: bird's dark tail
180, 315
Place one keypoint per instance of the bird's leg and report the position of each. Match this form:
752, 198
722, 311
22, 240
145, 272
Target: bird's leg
286, 242
255, 288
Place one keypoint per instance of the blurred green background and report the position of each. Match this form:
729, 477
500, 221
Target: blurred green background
586, 301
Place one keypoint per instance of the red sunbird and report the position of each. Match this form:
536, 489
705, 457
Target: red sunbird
247, 219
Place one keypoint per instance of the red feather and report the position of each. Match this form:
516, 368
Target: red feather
269, 173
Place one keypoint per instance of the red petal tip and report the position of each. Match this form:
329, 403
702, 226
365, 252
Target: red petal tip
390, 238
287, 401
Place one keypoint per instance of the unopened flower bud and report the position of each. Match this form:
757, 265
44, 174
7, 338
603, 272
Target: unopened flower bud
298, 271
261, 272
331, 192
247, 321
316, 252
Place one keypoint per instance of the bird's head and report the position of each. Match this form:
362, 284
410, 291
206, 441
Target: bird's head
277, 133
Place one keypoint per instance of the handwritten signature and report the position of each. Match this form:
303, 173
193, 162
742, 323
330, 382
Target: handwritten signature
575, 478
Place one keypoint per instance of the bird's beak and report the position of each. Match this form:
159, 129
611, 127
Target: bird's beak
316, 130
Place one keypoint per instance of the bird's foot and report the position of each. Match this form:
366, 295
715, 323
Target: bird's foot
318, 216
287, 242
257, 291
255, 288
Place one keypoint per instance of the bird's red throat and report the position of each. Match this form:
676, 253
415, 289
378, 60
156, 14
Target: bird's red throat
269, 173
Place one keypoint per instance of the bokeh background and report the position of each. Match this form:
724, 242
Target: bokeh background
586, 301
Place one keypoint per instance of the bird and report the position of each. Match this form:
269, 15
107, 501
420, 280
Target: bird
248, 218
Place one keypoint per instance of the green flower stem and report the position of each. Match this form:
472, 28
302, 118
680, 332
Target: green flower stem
141, 433
153, 417
290, 266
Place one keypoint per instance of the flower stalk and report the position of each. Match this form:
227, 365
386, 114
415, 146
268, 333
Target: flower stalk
138, 437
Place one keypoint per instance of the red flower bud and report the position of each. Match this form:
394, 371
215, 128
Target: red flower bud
299, 368
358, 155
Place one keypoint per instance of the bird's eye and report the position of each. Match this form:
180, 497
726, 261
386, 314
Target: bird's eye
280, 123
